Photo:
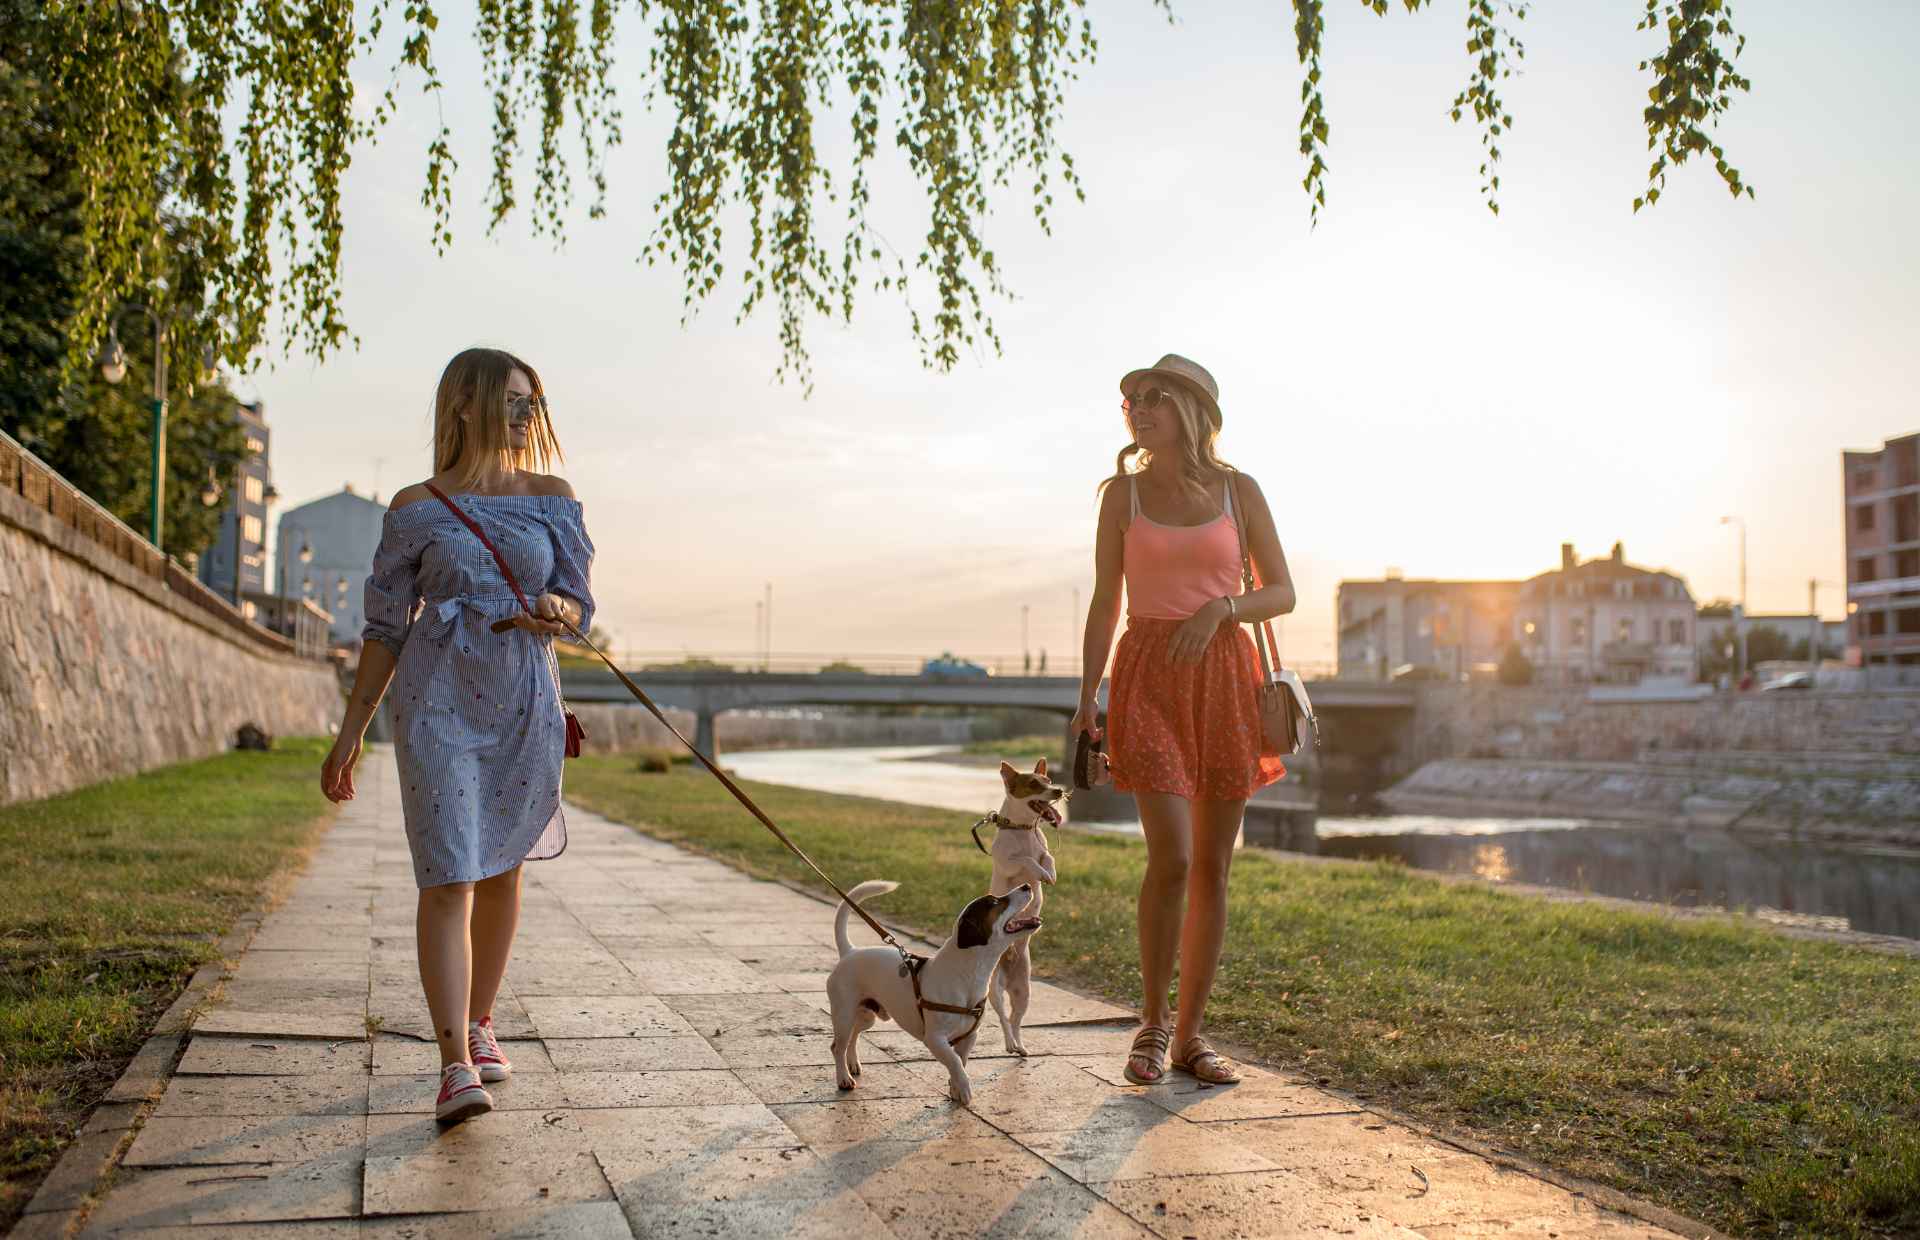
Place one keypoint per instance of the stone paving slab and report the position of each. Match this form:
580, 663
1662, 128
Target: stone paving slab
669, 1026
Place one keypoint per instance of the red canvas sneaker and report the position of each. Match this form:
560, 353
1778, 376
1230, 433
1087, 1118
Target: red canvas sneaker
461, 1094
484, 1051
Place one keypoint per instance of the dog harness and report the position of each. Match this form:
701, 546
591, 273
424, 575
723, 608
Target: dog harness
1000, 821
911, 963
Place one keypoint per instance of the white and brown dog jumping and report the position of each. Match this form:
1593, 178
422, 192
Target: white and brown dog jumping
1020, 855
938, 999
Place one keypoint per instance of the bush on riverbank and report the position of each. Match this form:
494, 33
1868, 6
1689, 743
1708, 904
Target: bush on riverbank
1755, 1081
112, 897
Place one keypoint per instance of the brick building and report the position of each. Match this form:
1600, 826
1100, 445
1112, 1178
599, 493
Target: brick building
1882, 491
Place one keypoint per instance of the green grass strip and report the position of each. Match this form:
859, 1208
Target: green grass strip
111, 897
1764, 1084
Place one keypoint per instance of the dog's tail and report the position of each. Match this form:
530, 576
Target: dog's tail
872, 887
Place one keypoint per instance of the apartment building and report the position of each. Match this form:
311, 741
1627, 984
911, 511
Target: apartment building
1882, 490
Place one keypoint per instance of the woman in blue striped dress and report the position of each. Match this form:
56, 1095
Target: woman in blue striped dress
479, 732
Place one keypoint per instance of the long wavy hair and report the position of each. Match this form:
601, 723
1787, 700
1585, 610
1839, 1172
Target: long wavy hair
476, 380
1199, 460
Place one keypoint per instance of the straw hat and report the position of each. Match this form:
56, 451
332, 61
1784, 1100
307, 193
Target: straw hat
1189, 373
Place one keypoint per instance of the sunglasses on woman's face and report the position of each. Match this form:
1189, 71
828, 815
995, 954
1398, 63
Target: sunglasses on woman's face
1146, 400
521, 408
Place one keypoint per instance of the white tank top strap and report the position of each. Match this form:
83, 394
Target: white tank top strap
1228, 509
1133, 497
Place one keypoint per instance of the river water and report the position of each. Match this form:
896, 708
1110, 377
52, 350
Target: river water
1875, 890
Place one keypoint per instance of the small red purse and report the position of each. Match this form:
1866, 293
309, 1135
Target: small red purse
575, 733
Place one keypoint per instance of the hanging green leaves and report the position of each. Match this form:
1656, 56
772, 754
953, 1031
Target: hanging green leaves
235, 120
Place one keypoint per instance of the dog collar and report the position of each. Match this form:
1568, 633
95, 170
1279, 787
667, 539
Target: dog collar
1000, 822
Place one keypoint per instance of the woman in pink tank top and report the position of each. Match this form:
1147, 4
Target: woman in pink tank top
1183, 722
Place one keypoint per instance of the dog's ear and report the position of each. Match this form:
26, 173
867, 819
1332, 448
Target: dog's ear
976, 922
1008, 775
1040, 768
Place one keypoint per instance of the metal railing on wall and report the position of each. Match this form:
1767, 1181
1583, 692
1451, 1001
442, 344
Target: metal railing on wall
33, 480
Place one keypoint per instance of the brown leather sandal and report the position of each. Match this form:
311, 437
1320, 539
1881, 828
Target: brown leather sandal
1150, 1047
1203, 1063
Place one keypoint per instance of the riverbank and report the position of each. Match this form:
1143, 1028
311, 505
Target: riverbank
1839, 798
1756, 1081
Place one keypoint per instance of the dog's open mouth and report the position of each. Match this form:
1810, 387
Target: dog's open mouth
1045, 810
1021, 925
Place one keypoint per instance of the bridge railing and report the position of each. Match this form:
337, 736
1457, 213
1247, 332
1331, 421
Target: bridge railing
853, 664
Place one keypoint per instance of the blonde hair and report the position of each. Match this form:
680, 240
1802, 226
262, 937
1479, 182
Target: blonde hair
476, 380
1199, 460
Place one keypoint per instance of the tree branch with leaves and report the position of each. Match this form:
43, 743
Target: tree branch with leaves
971, 93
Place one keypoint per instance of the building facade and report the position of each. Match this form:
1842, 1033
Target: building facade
325, 553
1606, 621
236, 565
1882, 490
1454, 628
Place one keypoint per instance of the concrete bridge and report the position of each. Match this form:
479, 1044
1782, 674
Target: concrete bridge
709, 693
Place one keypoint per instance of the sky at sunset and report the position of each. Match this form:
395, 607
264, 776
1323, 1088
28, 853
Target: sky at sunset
1415, 383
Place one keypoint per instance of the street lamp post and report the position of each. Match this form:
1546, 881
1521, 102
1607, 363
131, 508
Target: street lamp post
113, 368
306, 557
1740, 616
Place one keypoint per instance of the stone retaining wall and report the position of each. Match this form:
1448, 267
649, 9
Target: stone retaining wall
1774, 794
107, 669
1495, 721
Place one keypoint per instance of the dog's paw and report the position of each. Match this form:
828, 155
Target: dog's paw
846, 1082
1016, 1047
853, 1068
961, 1092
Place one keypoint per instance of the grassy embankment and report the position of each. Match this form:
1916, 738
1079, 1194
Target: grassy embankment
1764, 1084
111, 898
1019, 750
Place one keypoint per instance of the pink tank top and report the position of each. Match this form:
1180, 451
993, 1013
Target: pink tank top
1173, 571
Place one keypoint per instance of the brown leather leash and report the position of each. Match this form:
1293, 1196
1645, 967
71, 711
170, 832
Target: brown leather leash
726, 781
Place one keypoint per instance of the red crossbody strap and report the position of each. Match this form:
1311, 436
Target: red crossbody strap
1269, 649
486, 542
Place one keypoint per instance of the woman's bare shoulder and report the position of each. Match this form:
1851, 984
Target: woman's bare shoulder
409, 495
552, 484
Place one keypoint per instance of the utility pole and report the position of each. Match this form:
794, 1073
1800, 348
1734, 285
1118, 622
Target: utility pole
1073, 628
1740, 614
766, 655
1813, 619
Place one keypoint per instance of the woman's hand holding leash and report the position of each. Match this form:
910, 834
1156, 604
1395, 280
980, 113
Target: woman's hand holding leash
552, 615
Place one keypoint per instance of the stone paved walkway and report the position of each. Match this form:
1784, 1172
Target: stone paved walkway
667, 1020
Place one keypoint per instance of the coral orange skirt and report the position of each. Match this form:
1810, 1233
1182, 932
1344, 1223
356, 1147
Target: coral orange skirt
1188, 729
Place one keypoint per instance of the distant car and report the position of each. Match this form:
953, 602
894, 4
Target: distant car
948, 665
1792, 680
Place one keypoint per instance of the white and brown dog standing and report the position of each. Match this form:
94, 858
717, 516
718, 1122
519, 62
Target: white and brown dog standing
1020, 855
941, 1002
